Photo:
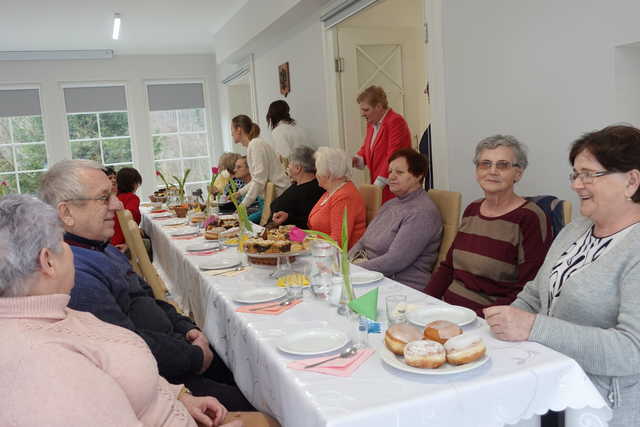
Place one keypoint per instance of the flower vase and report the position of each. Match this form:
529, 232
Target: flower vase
347, 289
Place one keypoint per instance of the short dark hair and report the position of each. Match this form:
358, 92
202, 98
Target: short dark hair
416, 162
279, 110
616, 147
127, 180
109, 170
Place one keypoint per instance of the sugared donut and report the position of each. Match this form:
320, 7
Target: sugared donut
397, 336
441, 331
464, 349
424, 354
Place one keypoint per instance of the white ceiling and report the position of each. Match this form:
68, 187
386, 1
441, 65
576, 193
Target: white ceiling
148, 26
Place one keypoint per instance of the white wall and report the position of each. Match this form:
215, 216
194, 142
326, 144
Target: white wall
543, 70
132, 71
302, 47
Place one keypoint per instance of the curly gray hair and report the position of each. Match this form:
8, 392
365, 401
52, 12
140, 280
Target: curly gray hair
63, 181
495, 141
27, 225
303, 156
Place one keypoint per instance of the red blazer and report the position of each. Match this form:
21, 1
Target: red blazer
131, 202
393, 135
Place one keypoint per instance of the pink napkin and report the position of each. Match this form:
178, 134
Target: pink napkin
215, 251
194, 236
277, 309
338, 367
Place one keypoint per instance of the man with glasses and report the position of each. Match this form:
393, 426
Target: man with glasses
106, 286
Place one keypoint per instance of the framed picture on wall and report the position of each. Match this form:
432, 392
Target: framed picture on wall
285, 80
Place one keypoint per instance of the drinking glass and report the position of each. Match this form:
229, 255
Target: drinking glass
323, 268
396, 309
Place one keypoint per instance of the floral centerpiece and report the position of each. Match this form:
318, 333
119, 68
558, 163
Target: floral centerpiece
214, 175
181, 185
298, 235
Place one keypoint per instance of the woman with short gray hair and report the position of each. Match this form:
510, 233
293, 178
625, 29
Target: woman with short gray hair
87, 362
502, 239
293, 206
333, 173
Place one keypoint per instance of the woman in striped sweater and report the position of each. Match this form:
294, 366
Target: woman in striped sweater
502, 239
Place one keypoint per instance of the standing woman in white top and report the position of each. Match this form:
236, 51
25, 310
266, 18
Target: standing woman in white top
286, 134
262, 160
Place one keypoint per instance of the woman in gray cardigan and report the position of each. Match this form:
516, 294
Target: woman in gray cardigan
585, 299
403, 239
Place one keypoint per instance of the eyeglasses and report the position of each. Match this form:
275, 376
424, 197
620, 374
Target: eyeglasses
587, 177
104, 200
501, 165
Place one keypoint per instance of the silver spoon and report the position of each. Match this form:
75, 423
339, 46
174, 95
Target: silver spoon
229, 270
346, 353
281, 303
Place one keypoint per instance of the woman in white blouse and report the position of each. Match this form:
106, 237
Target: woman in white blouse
287, 135
263, 162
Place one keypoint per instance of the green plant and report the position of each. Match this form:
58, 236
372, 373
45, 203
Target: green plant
181, 184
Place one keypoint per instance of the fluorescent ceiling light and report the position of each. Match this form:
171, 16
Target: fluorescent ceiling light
43, 55
116, 26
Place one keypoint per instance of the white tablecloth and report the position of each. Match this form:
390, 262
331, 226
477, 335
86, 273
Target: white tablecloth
520, 381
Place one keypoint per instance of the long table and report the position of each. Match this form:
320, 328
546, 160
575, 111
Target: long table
520, 382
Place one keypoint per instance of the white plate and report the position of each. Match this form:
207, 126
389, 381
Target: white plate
186, 231
453, 313
203, 246
281, 255
161, 215
313, 341
365, 277
446, 369
176, 221
220, 263
258, 295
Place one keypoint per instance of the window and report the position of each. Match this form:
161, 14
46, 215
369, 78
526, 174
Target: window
98, 125
179, 132
23, 153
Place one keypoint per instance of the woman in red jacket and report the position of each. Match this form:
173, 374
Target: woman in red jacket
129, 180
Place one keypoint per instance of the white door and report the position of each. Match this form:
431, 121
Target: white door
390, 58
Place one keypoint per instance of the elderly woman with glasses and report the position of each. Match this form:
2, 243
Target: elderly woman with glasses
293, 206
61, 367
502, 239
584, 300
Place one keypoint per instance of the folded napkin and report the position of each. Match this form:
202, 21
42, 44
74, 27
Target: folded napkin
274, 309
338, 367
366, 305
203, 253
192, 236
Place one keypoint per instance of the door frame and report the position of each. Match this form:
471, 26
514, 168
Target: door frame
434, 58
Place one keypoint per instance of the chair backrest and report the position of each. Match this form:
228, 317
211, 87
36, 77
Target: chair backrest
449, 204
566, 211
269, 195
139, 253
124, 216
372, 195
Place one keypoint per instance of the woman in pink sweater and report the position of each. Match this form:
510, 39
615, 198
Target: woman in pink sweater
60, 367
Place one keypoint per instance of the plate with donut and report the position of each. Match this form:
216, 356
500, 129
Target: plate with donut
459, 315
441, 349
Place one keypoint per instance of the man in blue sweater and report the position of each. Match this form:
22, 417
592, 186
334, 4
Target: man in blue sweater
107, 287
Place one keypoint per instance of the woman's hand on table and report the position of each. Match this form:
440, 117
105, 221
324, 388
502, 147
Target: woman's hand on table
509, 323
280, 217
206, 410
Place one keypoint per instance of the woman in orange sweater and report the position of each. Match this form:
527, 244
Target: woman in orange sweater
333, 175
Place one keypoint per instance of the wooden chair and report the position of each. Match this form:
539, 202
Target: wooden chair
566, 211
269, 195
124, 216
372, 195
140, 256
449, 204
